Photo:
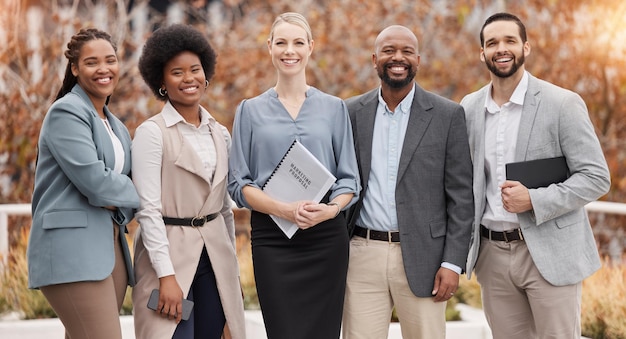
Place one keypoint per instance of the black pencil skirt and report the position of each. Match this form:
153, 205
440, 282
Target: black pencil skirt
300, 281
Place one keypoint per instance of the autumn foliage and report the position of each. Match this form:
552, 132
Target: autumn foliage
576, 44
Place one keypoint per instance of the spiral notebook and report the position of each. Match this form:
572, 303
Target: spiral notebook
298, 176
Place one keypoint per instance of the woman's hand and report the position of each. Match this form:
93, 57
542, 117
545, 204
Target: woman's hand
170, 298
310, 214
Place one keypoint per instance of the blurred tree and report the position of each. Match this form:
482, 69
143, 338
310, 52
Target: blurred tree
576, 44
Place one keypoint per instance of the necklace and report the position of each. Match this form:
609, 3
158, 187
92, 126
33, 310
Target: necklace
296, 105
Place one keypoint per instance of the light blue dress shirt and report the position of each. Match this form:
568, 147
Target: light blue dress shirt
379, 203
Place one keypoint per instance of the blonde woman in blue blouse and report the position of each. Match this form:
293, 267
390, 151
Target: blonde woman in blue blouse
300, 281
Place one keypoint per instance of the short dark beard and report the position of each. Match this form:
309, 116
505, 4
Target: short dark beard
516, 65
382, 74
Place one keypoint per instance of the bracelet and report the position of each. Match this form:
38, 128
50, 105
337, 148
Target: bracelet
333, 203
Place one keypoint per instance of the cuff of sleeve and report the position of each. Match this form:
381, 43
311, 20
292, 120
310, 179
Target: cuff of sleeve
163, 269
452, 267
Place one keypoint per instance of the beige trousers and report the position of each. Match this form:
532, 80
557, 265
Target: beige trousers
518, 302
376, 283
90, 309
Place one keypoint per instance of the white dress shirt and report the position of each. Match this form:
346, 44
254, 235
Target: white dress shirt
501, 129
147, 151
117, 147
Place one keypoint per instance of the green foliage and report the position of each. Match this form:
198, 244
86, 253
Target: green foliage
603, 306
452, 314
468, 292
127, 306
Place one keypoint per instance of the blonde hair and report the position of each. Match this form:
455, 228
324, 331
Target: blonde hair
294, 19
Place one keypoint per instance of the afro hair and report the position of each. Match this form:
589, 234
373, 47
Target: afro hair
166, 43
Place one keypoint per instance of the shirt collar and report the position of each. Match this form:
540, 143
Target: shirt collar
517, 97
172, 117
405, 104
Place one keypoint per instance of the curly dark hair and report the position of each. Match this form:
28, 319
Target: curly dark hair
166, 43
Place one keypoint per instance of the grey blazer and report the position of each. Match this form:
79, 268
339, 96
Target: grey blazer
554, 122
434, 183
71, 237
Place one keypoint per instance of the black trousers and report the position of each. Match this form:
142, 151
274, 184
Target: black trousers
207, 319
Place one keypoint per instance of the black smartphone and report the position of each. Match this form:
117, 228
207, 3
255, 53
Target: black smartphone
154, 301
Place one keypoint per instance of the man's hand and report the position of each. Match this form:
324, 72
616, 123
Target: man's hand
515, 197
446, 284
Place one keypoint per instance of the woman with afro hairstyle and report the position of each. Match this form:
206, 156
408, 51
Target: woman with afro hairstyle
186, 244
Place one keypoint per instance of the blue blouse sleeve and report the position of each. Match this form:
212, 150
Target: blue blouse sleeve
347, 170
239, 174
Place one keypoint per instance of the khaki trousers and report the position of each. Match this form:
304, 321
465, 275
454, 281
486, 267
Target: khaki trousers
376, 283
90, 309
518, 302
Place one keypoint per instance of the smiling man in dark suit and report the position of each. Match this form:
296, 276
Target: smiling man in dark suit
413, 221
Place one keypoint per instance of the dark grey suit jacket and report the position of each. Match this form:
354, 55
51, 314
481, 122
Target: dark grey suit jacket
434, 187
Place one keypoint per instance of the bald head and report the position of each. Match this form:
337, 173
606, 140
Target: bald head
394, 32
396, 58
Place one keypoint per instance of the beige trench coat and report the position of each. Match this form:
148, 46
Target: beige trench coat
188, 192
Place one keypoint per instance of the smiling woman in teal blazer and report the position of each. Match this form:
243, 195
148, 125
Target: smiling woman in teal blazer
83, 196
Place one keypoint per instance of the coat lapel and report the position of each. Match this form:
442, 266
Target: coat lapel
187, 158
477, 141
365, 118
418, 123
221, 170
529, 113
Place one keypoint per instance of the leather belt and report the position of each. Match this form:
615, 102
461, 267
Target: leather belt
193, 222
376, 235
508, 236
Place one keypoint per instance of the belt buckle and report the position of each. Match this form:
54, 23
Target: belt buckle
203, 219
389, 237
519, 232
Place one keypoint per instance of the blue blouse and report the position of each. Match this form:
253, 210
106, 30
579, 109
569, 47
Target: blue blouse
263, 130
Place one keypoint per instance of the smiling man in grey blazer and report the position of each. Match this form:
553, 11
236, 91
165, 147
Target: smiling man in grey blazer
531, 248
412, 224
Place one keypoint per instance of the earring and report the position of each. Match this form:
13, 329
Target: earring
163, 92
206, 84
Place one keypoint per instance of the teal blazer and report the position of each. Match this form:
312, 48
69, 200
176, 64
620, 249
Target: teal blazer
71, 237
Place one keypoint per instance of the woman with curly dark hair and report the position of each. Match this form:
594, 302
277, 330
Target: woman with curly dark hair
186, 245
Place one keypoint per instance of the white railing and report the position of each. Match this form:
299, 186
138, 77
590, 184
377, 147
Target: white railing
5, 211
24, 209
